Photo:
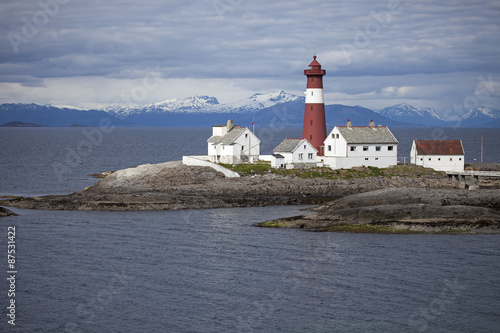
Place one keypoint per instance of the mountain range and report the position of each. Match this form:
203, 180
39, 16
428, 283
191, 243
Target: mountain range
276, 109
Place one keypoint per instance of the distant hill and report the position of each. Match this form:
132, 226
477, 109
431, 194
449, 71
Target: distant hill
277, 109
54, 116
21, 124
338, 114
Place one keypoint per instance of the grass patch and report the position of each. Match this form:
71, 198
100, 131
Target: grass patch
249, 168
411, 171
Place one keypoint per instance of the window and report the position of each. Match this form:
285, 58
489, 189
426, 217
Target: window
333, 136
366, 158
242, 147
421, 158
451, 159
365, 148
337, 136
376, 158
311, 107
390, 148
310, 137
301, 156
459, 158
429, 158
305, 147
311, 122
246, 135
439, 158
312, 93
377, 148
353, 148
310, 156
329, 148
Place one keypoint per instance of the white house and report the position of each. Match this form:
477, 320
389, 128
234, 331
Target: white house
442, 155
350, 146
294, 153
233, 144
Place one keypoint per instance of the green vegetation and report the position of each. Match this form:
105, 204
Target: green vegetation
249, 168
412, 171
273, 224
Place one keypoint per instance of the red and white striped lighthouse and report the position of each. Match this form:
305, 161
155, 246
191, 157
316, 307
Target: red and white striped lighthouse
314, 129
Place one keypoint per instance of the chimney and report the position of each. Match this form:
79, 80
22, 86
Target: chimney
349, 124
229, 125
372, 124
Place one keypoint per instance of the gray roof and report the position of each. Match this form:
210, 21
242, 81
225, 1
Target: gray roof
366, 134
287, 146
228, 138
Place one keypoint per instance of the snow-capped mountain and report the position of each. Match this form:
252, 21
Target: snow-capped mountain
189, 104
482, 116
410, 114
261, 101
206, 104
481, 111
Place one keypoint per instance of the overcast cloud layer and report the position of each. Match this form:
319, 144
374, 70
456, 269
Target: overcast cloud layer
376, 53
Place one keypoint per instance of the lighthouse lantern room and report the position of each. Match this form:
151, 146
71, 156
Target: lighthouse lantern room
314, 128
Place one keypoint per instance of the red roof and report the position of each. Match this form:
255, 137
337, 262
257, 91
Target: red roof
439, 147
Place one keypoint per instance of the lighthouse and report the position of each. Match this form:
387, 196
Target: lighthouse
314, 129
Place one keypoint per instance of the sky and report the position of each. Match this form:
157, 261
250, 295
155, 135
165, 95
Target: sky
440, 54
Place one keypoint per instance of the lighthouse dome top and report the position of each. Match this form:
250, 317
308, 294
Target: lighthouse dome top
314, 63
314, 68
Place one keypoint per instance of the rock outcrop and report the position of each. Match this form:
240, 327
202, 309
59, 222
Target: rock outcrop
5, 212
405, 209
172, 185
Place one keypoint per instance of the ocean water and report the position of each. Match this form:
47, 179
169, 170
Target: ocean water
211, 270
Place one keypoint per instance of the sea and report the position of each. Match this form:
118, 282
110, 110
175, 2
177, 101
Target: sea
212, 270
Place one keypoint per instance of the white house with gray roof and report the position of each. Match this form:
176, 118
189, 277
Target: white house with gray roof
294, 153
351, 146
233, 144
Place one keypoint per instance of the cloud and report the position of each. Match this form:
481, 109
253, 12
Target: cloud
426, 51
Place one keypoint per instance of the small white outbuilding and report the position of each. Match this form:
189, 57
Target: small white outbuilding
441, 155
294, 153
231, 144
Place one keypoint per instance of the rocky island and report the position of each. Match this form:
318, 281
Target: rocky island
401, 195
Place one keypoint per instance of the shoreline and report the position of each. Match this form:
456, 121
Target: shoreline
400, 198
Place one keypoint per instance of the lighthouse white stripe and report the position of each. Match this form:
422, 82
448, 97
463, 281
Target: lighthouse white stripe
314, 95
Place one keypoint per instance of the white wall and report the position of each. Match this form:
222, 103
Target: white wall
338, 146
441, 162
250, 144
276, 162
305, 148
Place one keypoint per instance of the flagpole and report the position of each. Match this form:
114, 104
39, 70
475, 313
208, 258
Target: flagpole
481, 148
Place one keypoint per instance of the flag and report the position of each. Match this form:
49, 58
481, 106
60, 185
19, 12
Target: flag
253, 125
